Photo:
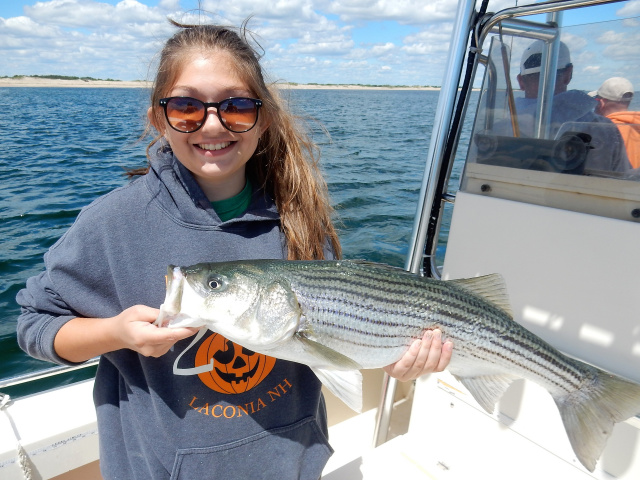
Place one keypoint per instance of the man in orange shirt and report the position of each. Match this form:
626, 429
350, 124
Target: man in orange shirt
614, 97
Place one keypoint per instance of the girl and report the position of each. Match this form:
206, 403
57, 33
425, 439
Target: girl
230, 177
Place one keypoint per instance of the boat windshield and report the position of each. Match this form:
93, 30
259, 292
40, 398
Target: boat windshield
558, 123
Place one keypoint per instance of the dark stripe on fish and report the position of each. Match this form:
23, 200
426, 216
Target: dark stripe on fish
456, 305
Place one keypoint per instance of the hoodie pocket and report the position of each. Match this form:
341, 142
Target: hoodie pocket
297, 451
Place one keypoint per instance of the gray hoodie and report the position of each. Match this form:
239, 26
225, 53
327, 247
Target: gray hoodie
255, 417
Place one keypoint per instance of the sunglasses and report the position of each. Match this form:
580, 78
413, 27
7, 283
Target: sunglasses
186, 114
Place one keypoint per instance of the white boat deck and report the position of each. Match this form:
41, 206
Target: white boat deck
57, 430
451, 438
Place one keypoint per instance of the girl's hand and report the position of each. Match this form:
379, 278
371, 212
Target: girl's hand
81, 339
424, 356
138, 333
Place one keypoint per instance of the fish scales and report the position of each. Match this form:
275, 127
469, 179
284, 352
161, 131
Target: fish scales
466, 319
401, 307
339, 316
342, 308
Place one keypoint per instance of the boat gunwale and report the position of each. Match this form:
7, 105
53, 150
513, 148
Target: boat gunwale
44, 373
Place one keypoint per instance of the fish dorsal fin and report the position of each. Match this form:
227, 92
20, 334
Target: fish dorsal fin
487, 389
491, 287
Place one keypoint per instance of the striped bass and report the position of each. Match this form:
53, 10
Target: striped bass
338, 317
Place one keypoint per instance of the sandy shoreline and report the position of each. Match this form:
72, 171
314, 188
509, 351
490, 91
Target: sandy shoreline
46, 82
352, 87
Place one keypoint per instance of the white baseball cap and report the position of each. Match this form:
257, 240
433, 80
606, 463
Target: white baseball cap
532, 58
616, 89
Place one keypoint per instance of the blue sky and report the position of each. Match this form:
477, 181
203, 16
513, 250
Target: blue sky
392, 42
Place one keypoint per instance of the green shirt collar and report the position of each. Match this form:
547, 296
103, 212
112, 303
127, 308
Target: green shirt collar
235, 206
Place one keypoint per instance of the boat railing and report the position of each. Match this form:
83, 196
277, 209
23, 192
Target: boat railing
42, 374
536, 9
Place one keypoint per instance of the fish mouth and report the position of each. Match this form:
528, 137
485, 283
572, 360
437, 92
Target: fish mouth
173, 300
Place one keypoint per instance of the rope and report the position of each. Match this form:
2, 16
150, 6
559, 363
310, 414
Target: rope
23, 458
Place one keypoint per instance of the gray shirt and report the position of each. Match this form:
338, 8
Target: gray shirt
572, 111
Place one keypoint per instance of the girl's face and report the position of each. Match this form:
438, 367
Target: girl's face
214, 155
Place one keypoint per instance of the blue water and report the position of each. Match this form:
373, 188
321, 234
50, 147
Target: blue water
61, 148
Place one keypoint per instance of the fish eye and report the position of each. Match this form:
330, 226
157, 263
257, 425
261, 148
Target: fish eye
215, 283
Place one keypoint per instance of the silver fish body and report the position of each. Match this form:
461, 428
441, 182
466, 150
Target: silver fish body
341, 316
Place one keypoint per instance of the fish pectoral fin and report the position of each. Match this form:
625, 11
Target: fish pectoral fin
491, 287
327, 354
344, 384
487, 389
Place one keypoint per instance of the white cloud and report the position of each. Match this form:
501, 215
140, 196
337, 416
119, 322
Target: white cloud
84, 38
621, 45
404, 11
576, 43
379, 50
409, 12
631, 23
92, 14
291, 11
346, 41
172, 5
25, 27
83, 33
309, 44
624, 52
631, 8
611, 37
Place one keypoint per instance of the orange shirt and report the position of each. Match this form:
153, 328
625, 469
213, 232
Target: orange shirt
629, 126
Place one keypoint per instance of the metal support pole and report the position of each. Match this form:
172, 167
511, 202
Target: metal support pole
446, 102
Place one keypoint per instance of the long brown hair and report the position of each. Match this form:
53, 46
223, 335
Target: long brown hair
285, 163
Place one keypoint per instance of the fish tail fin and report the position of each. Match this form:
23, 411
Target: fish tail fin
590, 413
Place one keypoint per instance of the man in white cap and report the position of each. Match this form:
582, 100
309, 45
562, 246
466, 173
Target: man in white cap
614, 97
529, 76
571, 110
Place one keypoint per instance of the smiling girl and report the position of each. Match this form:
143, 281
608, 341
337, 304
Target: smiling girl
231, 176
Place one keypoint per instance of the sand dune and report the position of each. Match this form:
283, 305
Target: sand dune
46, 82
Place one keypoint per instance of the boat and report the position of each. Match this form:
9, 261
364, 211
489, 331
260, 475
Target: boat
535, 208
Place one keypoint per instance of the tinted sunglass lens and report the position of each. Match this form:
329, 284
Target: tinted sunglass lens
185, 114
239, 114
